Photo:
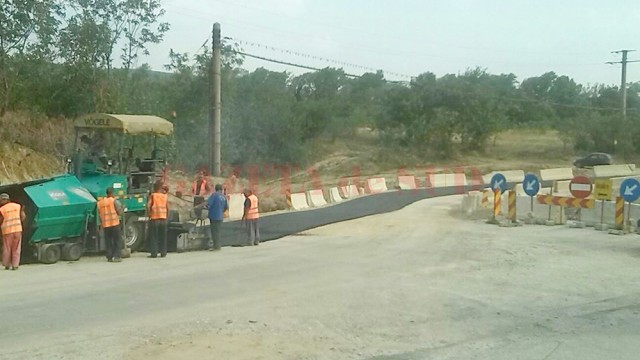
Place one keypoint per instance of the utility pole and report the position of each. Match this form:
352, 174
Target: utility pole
623, 83
215, 104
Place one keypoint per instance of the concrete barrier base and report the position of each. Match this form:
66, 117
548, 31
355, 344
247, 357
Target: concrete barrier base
576, 224
506, 223
509, 223
601, 227
550, 223
616, 232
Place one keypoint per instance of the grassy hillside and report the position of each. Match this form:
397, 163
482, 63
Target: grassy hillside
32, 147
514, 149
43, 144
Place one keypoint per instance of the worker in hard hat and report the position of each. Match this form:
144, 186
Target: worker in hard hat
12, 217
110, 210
158, 210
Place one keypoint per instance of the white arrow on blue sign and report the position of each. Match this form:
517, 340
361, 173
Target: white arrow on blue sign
531, 185
630, 189
498, 181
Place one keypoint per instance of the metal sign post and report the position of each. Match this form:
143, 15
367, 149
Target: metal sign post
603, 192
498, 186
531, 204
630, 192
550, 194
531, 187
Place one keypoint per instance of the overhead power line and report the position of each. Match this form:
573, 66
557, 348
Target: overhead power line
319, 58
307, 67
501, 98
623, 82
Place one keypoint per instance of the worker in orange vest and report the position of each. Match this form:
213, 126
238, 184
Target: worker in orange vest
11, 218
251, 216
200, 187
158, 210
110, 210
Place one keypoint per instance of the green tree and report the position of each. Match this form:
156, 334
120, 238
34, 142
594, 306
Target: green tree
28, 30
320, 101
88, 42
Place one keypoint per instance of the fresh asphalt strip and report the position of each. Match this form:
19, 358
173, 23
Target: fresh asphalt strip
279, 225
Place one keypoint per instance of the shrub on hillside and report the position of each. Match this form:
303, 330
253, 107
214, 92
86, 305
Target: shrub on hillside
45, 135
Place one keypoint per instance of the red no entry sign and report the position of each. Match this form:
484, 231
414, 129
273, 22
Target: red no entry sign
580, 187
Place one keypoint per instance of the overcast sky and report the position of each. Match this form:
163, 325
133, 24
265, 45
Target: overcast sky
410, 37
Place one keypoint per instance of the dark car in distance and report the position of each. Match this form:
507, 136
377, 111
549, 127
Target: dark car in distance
593, 160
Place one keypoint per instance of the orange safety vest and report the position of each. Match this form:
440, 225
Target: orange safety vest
225, 214
158, 206
253, 212
203, 187
107, 211
11, 215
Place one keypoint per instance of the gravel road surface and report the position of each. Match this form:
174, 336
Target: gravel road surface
418, 283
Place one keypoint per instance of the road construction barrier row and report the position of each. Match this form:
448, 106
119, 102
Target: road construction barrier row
375, 185
480, 199
512, 176
556, 174
609, 171
315, 198
299, 201
447, 180
334, 195
547, 207
407, 182
350, 191
236, 206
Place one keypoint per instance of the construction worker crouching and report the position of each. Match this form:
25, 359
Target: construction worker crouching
158, 210
11, 218
110, 210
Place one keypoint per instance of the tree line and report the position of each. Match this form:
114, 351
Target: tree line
66, 58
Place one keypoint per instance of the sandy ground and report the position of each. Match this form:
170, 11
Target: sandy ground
419, 283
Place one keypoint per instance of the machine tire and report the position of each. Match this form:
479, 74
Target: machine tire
134, 232
71, 252
49, 253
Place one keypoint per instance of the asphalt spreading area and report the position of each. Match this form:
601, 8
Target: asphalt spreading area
276, 226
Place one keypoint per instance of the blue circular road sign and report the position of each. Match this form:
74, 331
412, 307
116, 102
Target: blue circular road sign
498, 181
531, 185
630, 189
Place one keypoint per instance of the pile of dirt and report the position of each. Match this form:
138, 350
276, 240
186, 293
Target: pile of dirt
19, 163
32, 146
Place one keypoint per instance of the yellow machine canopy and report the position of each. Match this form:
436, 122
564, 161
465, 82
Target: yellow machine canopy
127, 124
